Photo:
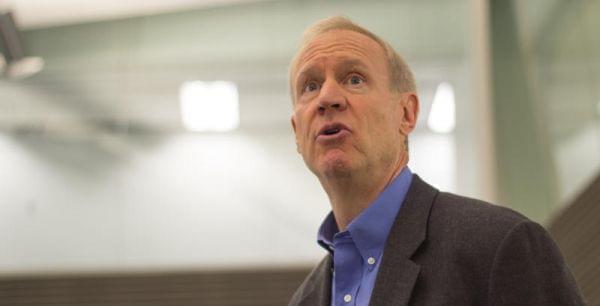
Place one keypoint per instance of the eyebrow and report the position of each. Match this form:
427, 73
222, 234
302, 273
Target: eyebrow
347, 64
351, 64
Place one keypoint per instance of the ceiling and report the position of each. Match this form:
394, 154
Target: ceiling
44, 13
127, 72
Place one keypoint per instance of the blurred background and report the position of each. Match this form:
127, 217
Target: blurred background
147, 158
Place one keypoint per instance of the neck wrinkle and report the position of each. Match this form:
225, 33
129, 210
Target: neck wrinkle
350, 195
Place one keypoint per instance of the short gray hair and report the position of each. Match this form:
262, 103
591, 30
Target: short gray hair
401, 77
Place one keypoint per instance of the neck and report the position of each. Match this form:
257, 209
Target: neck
351, 194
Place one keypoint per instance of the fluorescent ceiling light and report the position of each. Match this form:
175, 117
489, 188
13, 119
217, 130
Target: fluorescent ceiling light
209, 106
442, 117
25, 67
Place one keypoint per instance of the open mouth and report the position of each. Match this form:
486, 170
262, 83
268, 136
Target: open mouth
332, 129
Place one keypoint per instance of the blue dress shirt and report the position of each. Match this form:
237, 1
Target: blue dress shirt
357, 251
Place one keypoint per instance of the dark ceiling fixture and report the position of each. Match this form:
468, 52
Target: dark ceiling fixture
13, 62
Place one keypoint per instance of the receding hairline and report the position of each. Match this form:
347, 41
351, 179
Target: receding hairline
401, 77
344, 60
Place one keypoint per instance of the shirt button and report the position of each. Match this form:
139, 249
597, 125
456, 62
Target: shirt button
347, 298
371, 260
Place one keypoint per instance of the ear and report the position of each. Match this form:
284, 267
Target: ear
409, 112
293, 121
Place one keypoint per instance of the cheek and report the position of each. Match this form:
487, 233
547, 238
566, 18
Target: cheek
378, 120
382, 127
302, 131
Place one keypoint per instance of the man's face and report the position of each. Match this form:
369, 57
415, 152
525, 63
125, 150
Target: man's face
345, 115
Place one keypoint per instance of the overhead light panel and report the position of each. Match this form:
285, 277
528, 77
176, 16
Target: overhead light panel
209, 106
14, 64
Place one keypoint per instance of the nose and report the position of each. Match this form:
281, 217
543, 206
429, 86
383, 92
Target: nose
331, 97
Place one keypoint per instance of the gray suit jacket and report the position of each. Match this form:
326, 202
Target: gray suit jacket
444, 249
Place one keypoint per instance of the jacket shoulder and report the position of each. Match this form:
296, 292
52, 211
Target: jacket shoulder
472, 215
503, 257
470, 228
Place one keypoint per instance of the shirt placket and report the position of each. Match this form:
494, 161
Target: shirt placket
347, 271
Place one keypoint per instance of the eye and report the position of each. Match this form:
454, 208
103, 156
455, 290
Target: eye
310, 86
355, 80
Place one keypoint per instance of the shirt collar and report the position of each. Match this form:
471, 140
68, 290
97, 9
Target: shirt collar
370, 229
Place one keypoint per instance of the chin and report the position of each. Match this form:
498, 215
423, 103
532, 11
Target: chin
335, 165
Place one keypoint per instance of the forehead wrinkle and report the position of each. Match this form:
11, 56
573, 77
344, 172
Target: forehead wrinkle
318, 58
350, 63
333, 48
344, 41
333, 39
329, 50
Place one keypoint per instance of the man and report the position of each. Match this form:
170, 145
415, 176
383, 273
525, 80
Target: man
391, 238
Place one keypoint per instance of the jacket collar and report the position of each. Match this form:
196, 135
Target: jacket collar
398, 273
319, 294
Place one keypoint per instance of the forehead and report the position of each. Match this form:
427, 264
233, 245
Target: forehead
341, 44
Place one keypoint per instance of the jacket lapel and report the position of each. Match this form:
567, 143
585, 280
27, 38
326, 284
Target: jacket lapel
319, 292
398, 273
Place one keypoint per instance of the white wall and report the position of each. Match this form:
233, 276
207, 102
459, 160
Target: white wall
190, 201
